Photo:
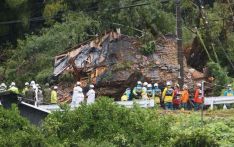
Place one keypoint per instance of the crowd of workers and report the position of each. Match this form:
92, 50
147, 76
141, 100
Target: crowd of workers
170, 97
34, 94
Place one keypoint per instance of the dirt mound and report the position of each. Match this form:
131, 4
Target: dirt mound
113, 62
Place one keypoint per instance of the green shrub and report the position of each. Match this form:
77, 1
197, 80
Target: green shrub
109, 122
198, 138
42, 76
220, 75
16, 130
148, 48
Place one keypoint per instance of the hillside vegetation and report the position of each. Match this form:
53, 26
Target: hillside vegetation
107, 124
44, 29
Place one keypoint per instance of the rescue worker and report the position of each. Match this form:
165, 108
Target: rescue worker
229, 91
91, 95
137, 91
54, 95
150, 92
176, 98
3, 87
157, 94
13, 88
46, 94
144, 91
126, 95
33, 84
30, 95
40, 95
198, 99
78, 95
167, 96
25, 88
184, 98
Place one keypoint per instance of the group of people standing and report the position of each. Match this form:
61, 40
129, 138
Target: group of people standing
169, 97
33, 93
78, 95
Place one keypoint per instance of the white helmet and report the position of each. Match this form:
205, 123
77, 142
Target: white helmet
198, 84
12, 83
149, 85
3, 85
139, 83
32, 83
26, 84
55, 87
91, 86
177, 85
78, 83
156, 85
229, 85
145, 84
168, 83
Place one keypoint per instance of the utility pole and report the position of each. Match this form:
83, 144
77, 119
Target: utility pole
180, 50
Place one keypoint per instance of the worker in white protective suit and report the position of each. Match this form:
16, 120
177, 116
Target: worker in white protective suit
77, 96
91, 95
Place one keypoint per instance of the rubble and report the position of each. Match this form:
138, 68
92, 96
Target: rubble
113, 62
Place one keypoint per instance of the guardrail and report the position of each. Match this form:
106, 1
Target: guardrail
218, 100
141, 103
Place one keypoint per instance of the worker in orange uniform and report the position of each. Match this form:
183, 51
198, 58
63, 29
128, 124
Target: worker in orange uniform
184, 98
198, 99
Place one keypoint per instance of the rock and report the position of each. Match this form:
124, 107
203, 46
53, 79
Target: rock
164, 68
191, 70
157, 63
173, 70
138, 56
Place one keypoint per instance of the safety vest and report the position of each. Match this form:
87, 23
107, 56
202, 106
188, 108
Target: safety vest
230, 94
54, 97
168, 95
24, 90
198, 96
14, 90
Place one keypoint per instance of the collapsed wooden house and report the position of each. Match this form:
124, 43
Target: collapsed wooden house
87, 61
114, 62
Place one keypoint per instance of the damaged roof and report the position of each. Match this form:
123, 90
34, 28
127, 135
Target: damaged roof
86, 56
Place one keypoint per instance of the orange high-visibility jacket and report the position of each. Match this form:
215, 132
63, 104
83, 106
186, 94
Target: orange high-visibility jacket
184, 96
197, 96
